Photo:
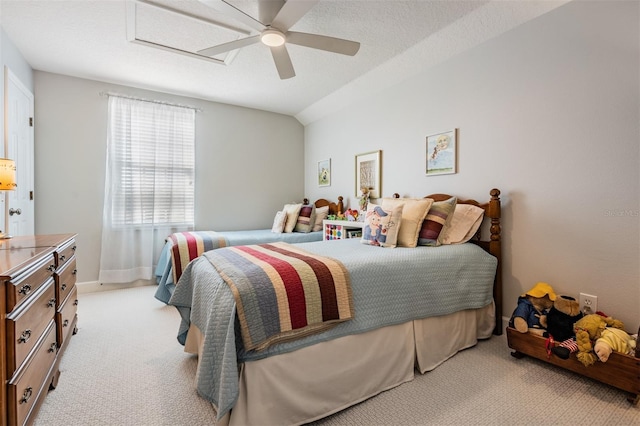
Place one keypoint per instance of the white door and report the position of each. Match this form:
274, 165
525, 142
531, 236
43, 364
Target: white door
19, 210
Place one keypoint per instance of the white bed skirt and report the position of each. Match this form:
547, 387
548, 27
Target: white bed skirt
316, 381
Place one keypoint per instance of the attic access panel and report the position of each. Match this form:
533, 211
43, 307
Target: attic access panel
164, 27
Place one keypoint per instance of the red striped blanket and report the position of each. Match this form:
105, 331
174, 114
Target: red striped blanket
186, 246
283, 292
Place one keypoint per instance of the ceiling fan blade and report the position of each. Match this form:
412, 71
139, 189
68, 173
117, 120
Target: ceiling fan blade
268, 9
330, 44
283, 62
232, 45
235, 13
291, 13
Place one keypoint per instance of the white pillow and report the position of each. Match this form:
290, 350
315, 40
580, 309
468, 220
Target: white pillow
321, 214
292, 211
464, 224
279, 222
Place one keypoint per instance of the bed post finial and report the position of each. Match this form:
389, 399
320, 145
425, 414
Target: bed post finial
340, 205
494, 214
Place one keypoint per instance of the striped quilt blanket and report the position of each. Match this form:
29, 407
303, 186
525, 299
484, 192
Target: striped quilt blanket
186, 246
282, 292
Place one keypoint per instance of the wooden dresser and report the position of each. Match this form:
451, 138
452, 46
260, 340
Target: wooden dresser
38, 305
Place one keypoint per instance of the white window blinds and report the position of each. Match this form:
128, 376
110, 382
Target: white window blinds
151, 149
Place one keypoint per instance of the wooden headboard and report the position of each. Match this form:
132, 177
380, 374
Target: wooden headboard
334, 208
493, 245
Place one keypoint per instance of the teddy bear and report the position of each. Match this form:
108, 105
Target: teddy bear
613, 339
533, 306
560, 319
589, 329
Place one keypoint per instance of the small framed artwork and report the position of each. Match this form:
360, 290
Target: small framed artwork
442, 153
324, 172
368, 173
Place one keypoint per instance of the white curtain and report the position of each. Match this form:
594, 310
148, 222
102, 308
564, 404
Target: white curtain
149, 185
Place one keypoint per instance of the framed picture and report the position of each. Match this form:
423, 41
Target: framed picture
324, 172
368, 173
442, 153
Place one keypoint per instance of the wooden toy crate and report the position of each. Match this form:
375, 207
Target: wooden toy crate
620, 371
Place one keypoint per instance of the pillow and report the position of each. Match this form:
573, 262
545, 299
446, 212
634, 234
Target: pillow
464, 224
321, 214
381, 226
414, 211
306, 218
292, 211
278, 222
437, 219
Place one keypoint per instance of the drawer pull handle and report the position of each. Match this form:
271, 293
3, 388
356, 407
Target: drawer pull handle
53, 347
51, 268
26, 335
65, 323
63, 287
75, 271
63, 258
75, 302
13, 211
25, 289
73, 248
26, 395
51, 303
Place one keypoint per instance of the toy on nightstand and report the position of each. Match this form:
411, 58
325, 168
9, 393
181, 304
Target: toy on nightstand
531, 313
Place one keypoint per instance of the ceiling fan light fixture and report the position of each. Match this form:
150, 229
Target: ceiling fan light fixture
272, 38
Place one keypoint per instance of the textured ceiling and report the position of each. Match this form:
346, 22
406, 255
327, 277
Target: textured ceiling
399, 38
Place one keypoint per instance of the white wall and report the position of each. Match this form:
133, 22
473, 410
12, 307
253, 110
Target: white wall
547, 113
248, 162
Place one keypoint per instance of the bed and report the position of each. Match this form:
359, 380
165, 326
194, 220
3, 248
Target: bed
167, 275
395, 328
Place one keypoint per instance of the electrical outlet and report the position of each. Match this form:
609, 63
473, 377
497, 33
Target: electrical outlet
588, 303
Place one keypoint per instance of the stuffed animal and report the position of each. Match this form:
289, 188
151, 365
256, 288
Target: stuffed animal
589, 329
564, 313
531, 313
613, 339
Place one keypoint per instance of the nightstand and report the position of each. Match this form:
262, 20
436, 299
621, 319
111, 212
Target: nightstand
341, 229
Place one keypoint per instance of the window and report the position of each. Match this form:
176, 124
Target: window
152, 163
149, 185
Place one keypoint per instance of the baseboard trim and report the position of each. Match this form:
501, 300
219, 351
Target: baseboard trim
95, 286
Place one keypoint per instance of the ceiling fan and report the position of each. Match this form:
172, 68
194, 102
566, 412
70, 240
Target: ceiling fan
276, 17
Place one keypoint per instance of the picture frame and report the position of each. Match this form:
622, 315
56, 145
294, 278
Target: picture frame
324, 172
368, 173
441, 153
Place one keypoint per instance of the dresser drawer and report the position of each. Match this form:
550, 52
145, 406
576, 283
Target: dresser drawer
27, 283
66, 315
65, 253
26, 387
65, 280
27, 323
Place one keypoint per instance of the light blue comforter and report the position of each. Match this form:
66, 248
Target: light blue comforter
390, 286
164, 272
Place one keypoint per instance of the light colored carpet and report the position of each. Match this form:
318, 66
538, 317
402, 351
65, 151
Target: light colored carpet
125, 367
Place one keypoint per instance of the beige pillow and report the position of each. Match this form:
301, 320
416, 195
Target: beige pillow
414, 210
321, 214
292, 211
464, 224
279, 222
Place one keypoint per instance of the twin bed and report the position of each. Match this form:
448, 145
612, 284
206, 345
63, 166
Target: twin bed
392, 311
166, 274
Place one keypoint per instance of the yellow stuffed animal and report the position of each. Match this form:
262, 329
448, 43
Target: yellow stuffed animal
589, 329
613, 339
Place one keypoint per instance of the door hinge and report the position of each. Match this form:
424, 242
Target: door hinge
31, 195
30, 121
